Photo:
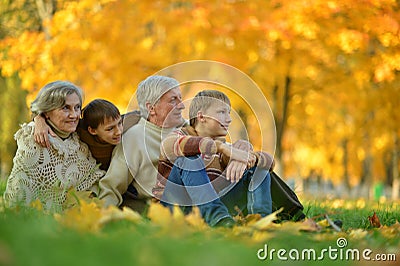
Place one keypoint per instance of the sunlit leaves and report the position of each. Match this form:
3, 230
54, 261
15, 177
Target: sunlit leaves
84, 217
89, 216
266, 222
168, 218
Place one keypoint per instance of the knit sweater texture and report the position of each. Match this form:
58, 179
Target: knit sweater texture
48, 173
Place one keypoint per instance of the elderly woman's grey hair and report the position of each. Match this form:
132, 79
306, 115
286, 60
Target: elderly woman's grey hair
152, 89
53, 95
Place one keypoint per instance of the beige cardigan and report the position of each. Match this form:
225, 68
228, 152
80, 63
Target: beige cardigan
135, 162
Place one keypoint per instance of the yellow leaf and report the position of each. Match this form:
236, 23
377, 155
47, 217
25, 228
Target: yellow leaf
261, 236
309, 225
327, 222
177, 213
251, 218
265, 222
358, 234
37, 204
112, 213
159, 214
323, 223
392, 231
84, 217
195, 220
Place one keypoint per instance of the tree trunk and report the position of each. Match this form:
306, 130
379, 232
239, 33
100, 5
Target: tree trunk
46, 9
13, 112
281, 121
346, 179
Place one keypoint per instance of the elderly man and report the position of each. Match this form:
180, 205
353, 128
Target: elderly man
132, 174
133, 170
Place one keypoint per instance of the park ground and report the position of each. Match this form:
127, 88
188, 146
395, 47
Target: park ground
87, 234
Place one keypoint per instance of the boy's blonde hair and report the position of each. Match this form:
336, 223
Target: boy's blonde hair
203, 100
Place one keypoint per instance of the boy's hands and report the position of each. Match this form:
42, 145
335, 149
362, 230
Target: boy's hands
240, 159
235, 171
243, 145
42, 131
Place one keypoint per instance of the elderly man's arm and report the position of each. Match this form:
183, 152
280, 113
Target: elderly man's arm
117, 179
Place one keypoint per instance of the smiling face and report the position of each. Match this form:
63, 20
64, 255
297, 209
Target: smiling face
66, 117
167, 112
214, 121
110, 131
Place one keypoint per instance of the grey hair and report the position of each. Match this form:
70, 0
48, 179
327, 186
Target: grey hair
52, 96
151, 89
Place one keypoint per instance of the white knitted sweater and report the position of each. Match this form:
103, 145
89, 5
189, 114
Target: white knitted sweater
48, 173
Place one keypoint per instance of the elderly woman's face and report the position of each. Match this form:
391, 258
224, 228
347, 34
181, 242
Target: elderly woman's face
66, 117
168, 110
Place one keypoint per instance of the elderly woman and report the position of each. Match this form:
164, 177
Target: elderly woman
48, 173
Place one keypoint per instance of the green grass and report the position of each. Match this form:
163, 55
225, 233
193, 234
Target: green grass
2, 186
29, 237
354, 214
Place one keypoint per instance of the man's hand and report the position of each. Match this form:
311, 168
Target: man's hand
42, 131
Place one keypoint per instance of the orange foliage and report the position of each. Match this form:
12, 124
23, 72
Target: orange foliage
341, 56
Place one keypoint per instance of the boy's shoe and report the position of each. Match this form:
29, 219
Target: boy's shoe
226, 222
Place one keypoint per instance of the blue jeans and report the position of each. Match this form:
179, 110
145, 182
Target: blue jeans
188, 184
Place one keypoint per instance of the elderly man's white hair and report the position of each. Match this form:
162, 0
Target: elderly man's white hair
151, 89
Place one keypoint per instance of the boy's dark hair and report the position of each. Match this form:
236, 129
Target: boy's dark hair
97, 111
203, 100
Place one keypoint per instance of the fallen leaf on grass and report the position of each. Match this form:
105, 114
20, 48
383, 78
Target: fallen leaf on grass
159, 214
75, 198
163, 216
358, 234
309, 225
374, 220
323, 223
392, 231
112, 213
265, 222
249, 220
37, 204
195, 220
84, 217
261, 236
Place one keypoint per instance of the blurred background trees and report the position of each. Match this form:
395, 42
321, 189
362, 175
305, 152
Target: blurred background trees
329, 69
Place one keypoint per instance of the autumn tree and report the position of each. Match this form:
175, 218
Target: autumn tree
329, 69
16, 17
